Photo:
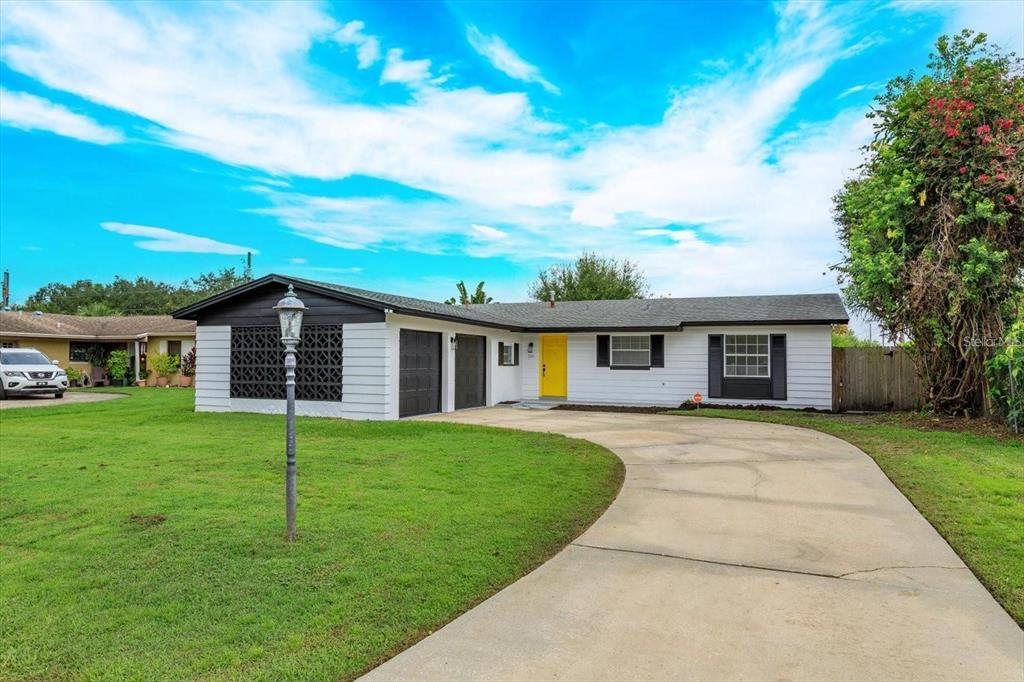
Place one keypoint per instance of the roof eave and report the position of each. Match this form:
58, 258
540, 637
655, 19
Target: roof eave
762, 323
591, 328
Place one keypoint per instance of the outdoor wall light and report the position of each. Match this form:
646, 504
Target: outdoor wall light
529, 348
453, 342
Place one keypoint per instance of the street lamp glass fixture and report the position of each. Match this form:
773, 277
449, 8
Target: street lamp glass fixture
289, 310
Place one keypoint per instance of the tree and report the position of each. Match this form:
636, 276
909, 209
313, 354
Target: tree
478, 296
932, 228
141, 296
844, 337
97, 309
211, 283
590, 278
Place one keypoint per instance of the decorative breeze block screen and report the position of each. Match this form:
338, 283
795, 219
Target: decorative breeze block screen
257, 363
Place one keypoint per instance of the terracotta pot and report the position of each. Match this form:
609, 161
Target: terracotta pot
161, 381
141, 383
184, 381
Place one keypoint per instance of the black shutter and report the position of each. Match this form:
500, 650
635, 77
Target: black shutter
657, 350
778, 360
603, 352
501, 353
715, 365
515, 354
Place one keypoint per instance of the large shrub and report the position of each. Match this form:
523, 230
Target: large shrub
117, 364
1005, 374
932, 229
164, 364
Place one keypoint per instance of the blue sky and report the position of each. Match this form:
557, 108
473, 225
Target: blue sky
406, 146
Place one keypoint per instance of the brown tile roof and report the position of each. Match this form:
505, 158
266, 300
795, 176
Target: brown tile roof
77, 326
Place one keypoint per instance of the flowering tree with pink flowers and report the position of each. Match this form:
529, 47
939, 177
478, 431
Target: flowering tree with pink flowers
932, 228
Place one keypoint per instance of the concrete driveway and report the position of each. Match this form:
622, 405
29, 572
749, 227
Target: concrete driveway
734, 551
47, 400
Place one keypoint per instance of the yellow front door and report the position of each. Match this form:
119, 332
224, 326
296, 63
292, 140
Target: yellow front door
553, 373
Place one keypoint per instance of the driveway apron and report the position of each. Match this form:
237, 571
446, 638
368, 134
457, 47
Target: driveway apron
735, 550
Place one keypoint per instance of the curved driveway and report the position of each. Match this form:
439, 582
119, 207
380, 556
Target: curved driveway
735, 550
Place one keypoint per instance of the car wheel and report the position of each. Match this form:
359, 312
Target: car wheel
58, 396
3, 394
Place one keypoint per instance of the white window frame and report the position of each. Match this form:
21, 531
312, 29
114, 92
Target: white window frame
508, 349
611, 350
726, 354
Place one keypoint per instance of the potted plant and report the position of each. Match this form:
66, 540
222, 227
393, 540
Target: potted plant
74, 376
164, 365
143, 375
117, 366
188, 368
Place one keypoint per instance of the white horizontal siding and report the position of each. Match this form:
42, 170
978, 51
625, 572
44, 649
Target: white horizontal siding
364, 376
808, 361
213, 357
502, 382
366, 370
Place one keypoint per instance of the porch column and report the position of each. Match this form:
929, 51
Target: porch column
135, 345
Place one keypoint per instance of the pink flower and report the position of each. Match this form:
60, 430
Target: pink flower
1004, 123
1009, 198
983, 178
963, 169
952, 132
1000, 176
981, 130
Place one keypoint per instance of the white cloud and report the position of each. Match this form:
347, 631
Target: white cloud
28, 112
504, 59
297, 261
367, 47
411, 72
488, 232
1001, 20
242, 102
714, 164
161, 239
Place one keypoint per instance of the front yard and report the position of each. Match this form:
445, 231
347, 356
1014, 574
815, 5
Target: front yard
141, 540
968, 484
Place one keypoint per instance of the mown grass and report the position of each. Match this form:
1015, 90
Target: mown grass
143, 541
970, 486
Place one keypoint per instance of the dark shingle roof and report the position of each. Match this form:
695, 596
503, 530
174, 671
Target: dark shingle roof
651, 313
625, 314
78, 326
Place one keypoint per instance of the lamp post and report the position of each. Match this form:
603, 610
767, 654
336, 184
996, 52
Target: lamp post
289, 310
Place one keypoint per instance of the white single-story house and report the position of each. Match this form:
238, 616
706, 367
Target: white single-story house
371, 355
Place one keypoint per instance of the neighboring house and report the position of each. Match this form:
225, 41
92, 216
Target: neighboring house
78, 341
369, 355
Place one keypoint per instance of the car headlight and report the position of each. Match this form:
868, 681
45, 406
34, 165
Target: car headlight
60, 374
15, 374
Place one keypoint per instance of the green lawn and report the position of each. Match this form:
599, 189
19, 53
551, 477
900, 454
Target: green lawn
141, 540
970, 486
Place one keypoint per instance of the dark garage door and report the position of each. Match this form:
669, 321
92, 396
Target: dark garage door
419, 378
470, 370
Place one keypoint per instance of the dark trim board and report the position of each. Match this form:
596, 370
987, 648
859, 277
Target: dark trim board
257, 309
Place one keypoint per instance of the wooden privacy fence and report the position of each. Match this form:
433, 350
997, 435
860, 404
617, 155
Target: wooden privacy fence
874, 379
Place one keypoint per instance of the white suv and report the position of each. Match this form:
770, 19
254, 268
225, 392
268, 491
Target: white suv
26, 371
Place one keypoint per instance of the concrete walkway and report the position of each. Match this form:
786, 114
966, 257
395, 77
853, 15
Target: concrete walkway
734, 551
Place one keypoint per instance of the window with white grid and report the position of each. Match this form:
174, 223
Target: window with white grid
746, 355
631, 351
